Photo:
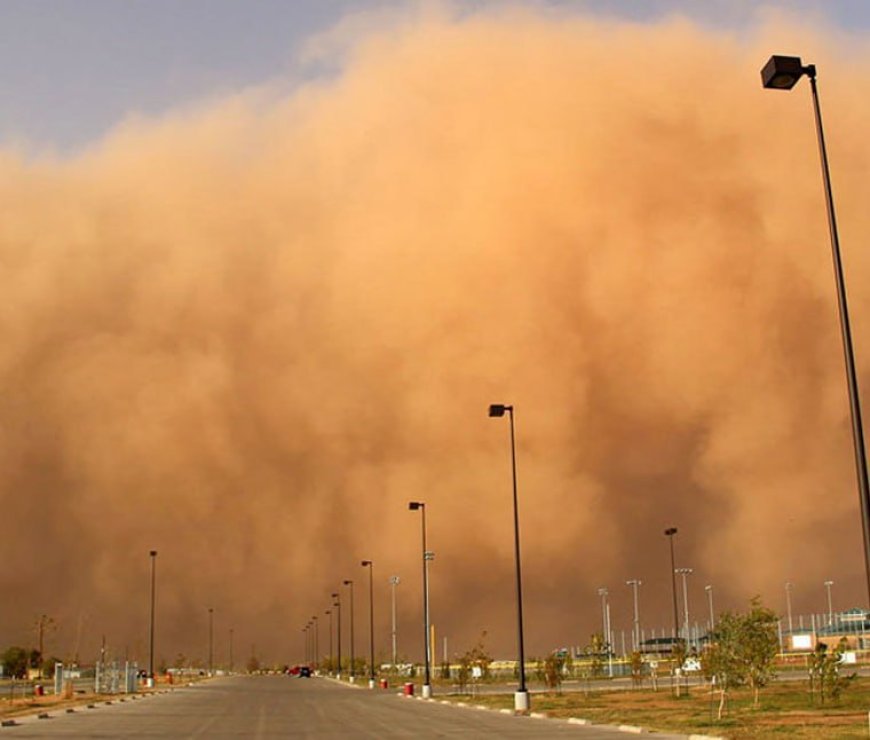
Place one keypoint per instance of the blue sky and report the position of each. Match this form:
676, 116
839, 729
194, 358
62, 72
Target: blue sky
72, 69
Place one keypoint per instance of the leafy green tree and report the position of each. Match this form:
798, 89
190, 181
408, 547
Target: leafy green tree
758, 645
825, 671
742, 651
15, 661
553, 667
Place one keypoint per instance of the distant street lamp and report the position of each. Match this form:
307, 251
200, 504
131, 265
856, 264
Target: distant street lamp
153, 555
521, 696
316, 642
231, 649
782, 73
634, 583
210, 641
788, 588
670, 532
685, 572
709, 590
307, 641
394, 581
349, 582
371, 566
427, 659
328, 613
828, 585
337, 606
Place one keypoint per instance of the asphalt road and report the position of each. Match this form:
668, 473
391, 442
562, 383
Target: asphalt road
283, 707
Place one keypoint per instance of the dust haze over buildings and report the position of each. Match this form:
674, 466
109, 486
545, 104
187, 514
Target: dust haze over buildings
248, 333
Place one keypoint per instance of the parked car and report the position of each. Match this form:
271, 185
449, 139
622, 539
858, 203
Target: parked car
304, 672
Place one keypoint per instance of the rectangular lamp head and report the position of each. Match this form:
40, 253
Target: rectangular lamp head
781, 73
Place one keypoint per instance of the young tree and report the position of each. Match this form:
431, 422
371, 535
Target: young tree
742, 651
758, 645
825, 670
721, 662
553, 667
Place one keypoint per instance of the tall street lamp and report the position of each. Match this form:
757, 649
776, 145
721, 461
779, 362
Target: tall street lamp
709, 589
231, 649
305, 632
371, 566
427, 683
685, 572
316, 642
782, 73
521, 696
635, 583
337, 606
828, 585
788, 588
210, 641
349, 582
328, 613
670, 532
153, 555
394, 581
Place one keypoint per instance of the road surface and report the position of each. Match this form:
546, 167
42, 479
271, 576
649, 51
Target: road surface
283, 707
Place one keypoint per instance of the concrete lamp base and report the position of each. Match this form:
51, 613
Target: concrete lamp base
371, 683
427, 691
521, 702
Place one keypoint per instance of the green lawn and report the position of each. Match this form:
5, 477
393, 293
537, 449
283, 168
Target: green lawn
785, 710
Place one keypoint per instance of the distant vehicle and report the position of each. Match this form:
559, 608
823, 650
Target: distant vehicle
304, 672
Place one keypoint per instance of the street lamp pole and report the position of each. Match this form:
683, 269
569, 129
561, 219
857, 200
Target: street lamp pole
231, 649
788, 588
349, 582
427, 684
210, 641
634, 583
782, 73
153, 554
709, 589
371, 566
316, 643
394, 581
670, 532
328, 613
337, 605
521, 697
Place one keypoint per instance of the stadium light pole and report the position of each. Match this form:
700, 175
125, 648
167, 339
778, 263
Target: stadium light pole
709, 589
685, 572
427, 681
521, 696
635, 583
394, 581
783, 73
828, 585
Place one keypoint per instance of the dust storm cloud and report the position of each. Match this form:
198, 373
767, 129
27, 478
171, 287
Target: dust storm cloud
248, 333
